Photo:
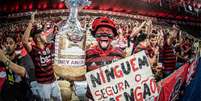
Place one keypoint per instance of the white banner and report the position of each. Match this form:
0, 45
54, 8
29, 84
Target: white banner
129, 79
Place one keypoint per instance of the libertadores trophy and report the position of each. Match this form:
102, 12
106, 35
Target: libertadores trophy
70, 43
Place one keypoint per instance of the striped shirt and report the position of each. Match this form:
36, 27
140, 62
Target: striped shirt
168, 58
96, 57
43, 60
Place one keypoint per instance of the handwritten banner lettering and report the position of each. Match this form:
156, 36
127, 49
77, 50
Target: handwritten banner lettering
129, 79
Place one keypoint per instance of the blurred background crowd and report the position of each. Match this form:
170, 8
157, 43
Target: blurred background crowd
166, 45
134, 35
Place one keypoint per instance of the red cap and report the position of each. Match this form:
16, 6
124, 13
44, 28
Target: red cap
103, 21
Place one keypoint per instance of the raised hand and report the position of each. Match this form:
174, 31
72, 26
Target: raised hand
3, 57
149, 22
33, 16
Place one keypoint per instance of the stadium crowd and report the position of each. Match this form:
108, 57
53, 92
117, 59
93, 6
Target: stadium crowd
166, 46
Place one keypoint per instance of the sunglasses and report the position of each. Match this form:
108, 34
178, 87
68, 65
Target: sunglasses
104, 35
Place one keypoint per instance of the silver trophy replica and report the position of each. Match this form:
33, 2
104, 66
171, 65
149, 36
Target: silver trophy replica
69, 43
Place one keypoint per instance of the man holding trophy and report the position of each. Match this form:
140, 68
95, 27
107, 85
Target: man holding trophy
70, 55
104, 30
70, 44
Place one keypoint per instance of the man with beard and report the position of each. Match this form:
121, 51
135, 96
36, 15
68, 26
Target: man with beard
104, 30
151, 48
42, 56
14, 87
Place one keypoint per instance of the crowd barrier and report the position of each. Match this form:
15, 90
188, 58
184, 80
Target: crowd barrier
193, 88
183, 84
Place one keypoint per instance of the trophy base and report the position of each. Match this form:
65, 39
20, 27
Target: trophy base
66, 90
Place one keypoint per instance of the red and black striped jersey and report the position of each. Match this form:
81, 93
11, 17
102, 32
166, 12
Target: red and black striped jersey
43, 61
97, 57
168, 58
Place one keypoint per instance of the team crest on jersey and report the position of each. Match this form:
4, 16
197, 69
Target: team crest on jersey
45, 57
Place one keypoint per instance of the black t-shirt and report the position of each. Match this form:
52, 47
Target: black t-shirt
27, 63
137, 39
15, 91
